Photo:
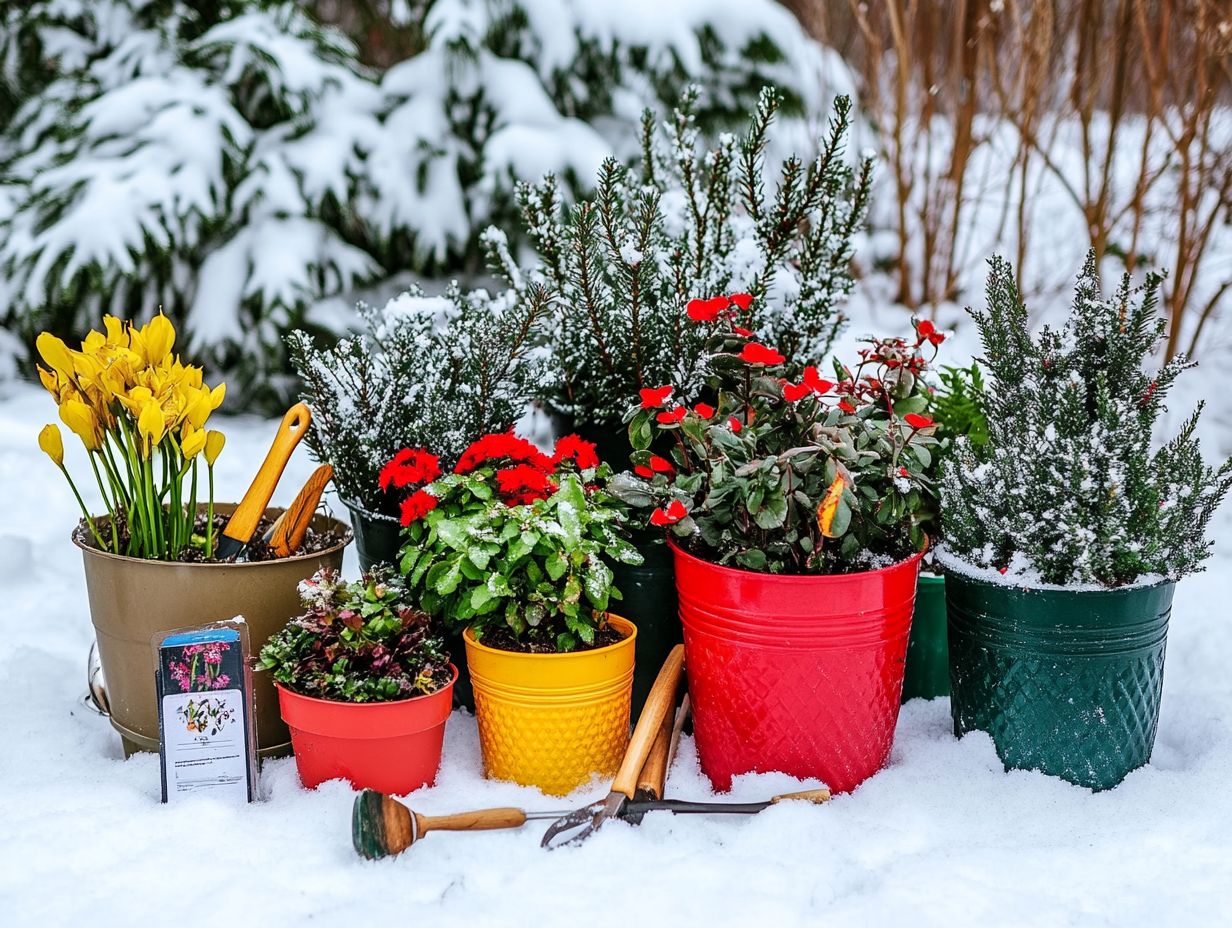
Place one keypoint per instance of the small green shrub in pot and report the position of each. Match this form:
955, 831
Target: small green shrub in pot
1066, 533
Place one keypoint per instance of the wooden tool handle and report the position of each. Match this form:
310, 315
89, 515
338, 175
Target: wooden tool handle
808, 795
288, 532
653, 777
478, 820
248, 513
658, 704
682, 716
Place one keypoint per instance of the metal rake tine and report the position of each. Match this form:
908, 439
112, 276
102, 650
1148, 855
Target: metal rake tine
583, 818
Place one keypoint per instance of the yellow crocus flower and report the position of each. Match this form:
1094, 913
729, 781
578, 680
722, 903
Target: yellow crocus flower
50, 381
158, 335
214, 440
217, 394
52, 443
151, 425
192, 444
55, 353
82, 421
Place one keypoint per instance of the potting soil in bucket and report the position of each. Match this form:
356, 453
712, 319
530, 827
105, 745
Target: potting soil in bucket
1065, 681
797, 674
391, 747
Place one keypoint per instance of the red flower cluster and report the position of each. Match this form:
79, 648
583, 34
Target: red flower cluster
523, 484
669, 516
653, 398
672, 416
713, 309
757, 353
417, 505
575, 449
503, 445
925, 331
410, 466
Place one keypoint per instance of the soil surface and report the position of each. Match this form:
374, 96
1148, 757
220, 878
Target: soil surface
502, 639
258, 550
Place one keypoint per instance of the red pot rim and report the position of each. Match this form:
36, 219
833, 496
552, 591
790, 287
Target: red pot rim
373, 705
790, 578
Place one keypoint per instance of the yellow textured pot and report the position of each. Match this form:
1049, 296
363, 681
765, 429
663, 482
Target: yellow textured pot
553, 720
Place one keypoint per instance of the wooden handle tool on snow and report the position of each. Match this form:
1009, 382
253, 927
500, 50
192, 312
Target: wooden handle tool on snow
248, 513
287, 534
381, 826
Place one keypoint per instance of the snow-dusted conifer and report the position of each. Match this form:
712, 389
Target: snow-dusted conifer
1067, 489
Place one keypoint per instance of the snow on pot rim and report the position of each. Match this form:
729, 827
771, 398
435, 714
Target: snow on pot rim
1026, 579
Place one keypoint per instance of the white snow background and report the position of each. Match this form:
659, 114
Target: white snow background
943, 836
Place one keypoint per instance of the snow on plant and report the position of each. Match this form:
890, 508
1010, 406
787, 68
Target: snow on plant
516, 543
625, 263
358, 642
774, 475
433, 372
1067, 489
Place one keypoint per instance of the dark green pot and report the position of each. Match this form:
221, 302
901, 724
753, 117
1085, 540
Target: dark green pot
928, 654
1065, 681
649, 591
377, 541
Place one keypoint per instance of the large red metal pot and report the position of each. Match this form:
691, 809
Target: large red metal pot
798, 674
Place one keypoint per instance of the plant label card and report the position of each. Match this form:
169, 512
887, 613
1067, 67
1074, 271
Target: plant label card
204, 714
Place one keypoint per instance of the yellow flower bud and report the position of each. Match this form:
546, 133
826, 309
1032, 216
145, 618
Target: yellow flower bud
52, 443
158, 336
116, 335
192, 443
151, 425
214, 440
50, 381
82, 421
217, 394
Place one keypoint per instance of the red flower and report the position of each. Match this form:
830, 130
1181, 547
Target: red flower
795, 391
924, 328
846, 406
814, 381
757, 353
410, 466
654, 398
672, 417
661, 465
705, 410
502, 446
523, 483
936, 338
706, 310
643, 471
740, 330
578, 450
903, 472
743, 300
1002, 570
417, 505
669, 516
734, 424
916, 421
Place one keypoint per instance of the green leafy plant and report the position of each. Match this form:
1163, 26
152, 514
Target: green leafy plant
624, 263
1067, 489
434, 372
957, 405
358, 642
515, 544
817, 476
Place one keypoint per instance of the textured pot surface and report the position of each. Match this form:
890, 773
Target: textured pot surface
798, 674
391, 747
649, 601
1065, 681
131, 600
378, 540
553, 720
928, 653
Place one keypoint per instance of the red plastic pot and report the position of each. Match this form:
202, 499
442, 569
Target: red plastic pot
391, 747
801, 675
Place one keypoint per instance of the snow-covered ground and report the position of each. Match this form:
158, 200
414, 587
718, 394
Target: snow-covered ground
942, 836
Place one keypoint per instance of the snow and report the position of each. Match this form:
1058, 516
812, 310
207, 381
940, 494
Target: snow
943, 836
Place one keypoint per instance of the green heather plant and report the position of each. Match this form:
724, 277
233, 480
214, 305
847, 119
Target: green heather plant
1067, 489
683, 222
358, 642
514, 544
434, 372
812, 477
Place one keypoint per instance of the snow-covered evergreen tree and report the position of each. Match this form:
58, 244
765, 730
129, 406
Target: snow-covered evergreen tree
1067, 489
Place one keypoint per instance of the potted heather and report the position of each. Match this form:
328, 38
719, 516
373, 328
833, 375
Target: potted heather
425, 371
954, 405
625, 262
791, 507
151, 559
512, 549
1065, 539
364, 683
